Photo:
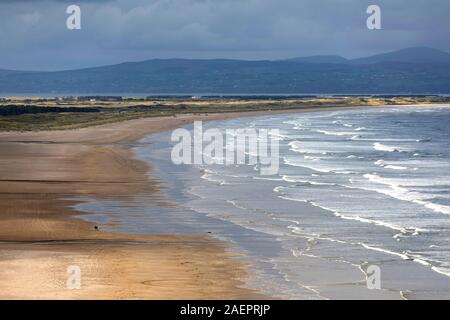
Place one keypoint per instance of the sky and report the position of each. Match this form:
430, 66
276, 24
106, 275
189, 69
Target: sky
34, 35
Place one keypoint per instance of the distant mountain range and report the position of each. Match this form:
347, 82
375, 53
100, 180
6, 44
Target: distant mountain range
409, 55
416, 70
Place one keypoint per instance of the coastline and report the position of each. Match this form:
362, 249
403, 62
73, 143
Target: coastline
41, 170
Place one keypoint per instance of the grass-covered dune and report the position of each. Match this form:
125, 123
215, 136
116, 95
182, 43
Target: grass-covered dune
33, 114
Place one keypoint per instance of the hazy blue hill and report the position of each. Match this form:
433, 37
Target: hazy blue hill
410, 55
186, 76
321, 59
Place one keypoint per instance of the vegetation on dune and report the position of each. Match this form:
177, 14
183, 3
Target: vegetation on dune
28, 114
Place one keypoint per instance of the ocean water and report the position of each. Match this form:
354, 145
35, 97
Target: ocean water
355, 188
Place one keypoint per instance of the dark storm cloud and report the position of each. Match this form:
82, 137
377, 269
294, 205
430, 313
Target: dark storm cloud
33, 34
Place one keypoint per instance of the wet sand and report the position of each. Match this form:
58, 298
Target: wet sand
40, 236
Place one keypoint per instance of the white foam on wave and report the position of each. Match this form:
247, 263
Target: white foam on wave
383, 164
381, 147
210, 178
311, 158
292, 122
346, 172
335, 133
296, 146
292, 162
412, 257
279, 136
235, 204
441, 270
312, 237
296, 124
403, 255
267, 179
278, 189
293, 179
404, 230
396, 167
217, 177
397, 191
369, 247
379, 139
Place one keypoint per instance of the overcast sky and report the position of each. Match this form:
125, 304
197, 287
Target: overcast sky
33, 33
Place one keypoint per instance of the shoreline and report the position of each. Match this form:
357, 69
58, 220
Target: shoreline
40, 170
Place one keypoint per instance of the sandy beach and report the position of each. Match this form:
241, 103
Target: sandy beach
40, 236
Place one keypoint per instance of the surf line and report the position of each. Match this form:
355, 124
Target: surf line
242, 146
